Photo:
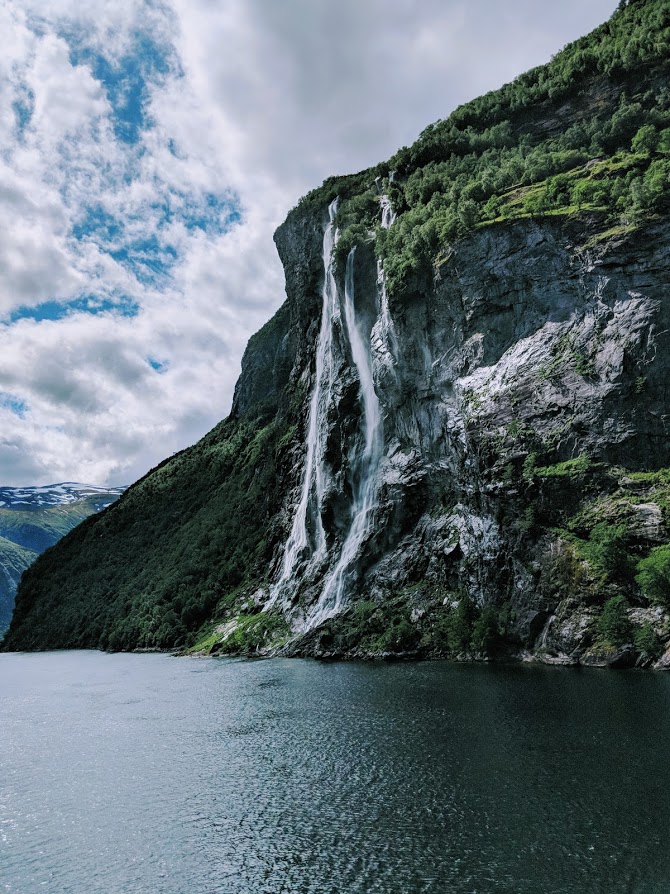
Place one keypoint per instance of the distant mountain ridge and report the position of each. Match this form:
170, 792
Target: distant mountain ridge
55, 494
34, 518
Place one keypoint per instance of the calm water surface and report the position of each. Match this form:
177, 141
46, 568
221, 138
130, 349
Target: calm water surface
126, 774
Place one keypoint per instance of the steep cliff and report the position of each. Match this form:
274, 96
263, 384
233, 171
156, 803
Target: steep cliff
451, 438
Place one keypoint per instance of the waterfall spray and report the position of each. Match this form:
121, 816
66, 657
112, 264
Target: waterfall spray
388, 214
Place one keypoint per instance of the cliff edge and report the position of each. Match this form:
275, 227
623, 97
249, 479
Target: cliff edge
452, 438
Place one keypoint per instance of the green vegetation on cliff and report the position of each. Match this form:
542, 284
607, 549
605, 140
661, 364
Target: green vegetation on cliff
585, 139
153, 568
654, 575
588, 132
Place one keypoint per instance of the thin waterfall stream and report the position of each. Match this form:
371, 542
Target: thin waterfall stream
306, 542
313, 485
383, 332
364, 463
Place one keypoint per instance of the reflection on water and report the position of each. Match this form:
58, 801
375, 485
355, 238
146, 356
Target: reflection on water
128, 774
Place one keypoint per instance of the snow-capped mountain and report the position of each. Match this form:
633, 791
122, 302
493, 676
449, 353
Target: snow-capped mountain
56, 495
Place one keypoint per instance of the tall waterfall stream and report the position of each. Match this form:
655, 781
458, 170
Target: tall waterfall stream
306, 549
314, 477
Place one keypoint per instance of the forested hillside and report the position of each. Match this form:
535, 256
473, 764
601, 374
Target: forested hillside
34, 518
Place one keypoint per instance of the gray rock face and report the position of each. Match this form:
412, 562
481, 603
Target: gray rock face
524, 348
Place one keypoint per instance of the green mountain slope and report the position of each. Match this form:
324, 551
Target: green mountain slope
32, 520
588, 132
157, 564
14, 560
526, 273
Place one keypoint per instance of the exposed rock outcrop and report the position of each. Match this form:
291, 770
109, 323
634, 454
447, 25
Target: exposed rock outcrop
525, 347
452, 438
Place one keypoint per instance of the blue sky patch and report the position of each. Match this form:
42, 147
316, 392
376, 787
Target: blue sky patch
23, 111
159, 365
90, 304
148, 260
14, 404
214, 214
126, 80
211, 213
97, 222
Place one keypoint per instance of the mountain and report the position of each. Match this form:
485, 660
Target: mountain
452, 438
32, 519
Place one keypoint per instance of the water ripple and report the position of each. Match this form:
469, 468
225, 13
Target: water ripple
146, 775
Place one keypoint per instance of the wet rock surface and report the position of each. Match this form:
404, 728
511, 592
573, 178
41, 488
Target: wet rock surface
525, 351
518, 472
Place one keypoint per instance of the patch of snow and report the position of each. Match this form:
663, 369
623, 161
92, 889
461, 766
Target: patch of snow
54, 494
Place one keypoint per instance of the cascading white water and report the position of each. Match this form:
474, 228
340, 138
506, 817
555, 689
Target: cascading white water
314, 481
360, 353
383, 334
388, 214
364, 462
307, 539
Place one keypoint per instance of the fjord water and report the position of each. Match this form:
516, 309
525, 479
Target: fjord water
126, 774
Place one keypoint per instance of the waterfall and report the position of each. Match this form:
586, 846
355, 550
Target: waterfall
305, 552
365, 459
388, 214
383, 334
314, 480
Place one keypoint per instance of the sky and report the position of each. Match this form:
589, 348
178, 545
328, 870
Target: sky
149, 149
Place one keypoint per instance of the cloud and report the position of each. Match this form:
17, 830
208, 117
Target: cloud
149, 148
344, 85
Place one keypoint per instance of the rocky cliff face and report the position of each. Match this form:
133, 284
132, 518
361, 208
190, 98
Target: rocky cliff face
451, 439
523, 383
522, 406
